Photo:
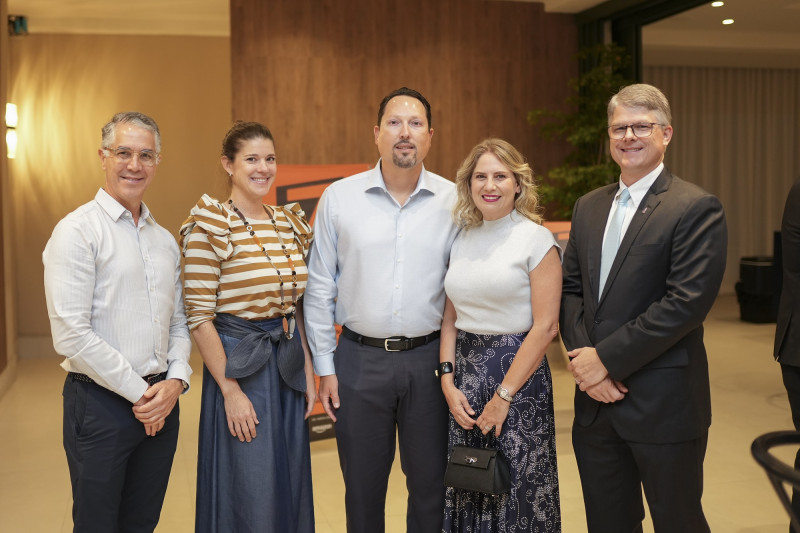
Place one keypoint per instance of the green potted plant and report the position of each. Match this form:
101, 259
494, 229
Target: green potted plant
589, 164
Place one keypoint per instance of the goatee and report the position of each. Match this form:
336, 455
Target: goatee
404, 162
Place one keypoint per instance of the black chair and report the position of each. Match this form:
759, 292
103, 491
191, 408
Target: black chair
779, 472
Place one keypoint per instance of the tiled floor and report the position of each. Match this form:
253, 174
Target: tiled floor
747, 394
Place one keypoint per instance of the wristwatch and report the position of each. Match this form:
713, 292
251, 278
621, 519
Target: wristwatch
504, 394
444, 368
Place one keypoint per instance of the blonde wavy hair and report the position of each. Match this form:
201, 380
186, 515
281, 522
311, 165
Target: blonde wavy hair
465, 213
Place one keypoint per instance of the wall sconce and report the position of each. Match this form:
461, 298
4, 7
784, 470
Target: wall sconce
11, 131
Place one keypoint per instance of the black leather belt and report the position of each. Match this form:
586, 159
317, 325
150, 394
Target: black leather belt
391, 344
152, 379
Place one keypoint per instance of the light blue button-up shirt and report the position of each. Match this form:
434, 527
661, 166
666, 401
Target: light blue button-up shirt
114, 297
376, 266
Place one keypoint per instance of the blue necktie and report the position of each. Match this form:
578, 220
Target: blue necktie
613, 237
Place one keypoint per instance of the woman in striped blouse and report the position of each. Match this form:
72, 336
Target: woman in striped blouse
244, 277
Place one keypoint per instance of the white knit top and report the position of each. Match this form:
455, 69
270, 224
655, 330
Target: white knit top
488, 279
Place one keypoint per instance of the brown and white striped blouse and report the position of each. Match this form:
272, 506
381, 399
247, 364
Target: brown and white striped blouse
225, 270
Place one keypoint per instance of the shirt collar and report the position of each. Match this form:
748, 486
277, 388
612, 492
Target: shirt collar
376, 181
115, 209
640, 188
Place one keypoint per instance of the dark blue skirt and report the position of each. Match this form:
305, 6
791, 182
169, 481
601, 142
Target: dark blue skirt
528, 441
261, 486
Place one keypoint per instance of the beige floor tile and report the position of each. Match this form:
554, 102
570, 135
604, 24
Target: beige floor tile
328, 484
744, 507
339, 526
324, 527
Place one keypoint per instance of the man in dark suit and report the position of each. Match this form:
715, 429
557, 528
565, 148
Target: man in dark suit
787, 333
642, 268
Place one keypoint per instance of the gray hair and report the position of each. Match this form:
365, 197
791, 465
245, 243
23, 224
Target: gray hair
130, 117
642, 95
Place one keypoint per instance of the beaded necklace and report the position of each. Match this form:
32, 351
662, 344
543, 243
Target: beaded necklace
288, 314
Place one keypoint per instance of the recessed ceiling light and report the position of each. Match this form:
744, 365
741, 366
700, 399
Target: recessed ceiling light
717, 4
727, 21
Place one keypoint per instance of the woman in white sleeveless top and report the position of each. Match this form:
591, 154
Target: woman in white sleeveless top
503, 292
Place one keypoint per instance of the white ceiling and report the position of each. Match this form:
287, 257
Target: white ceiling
765, 32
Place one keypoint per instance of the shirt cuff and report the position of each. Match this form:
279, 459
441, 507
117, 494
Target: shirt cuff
323, 365
180, 370
134, 390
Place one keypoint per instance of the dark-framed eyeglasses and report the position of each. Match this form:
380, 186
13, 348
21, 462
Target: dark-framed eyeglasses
642, 129
147, 158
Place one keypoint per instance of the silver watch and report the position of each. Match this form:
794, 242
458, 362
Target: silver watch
504, 394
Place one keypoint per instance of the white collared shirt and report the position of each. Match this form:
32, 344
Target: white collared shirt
114, 297
637, 191
376, 266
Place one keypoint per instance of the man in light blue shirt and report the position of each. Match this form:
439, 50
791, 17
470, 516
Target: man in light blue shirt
113, 288
382, 244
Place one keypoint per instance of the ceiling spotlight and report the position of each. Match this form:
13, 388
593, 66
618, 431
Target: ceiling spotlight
717, 4
727, 21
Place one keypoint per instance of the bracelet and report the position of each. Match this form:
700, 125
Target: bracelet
504, 394
444, 368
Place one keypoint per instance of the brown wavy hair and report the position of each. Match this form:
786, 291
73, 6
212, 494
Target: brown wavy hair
465, 213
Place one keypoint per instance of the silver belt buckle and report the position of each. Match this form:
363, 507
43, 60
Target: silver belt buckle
387, 341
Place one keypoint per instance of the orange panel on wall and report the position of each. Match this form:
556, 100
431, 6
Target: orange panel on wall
560, 230
305, 183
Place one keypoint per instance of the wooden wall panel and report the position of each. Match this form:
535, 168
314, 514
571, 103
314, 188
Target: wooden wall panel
315, 71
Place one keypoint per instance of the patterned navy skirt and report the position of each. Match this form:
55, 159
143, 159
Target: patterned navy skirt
528, 441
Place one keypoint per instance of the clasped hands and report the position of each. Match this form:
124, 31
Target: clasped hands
156, 404
592, 377
493, 416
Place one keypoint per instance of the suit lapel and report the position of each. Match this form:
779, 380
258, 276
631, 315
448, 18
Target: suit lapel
644, 210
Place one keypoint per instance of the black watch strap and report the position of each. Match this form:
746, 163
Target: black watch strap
444, 368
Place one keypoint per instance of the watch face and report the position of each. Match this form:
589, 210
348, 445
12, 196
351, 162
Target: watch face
444, 368
504, 394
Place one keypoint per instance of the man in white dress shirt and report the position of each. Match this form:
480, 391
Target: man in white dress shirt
381, 247
112, 282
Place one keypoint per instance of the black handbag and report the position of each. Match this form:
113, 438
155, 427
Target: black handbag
478, 469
